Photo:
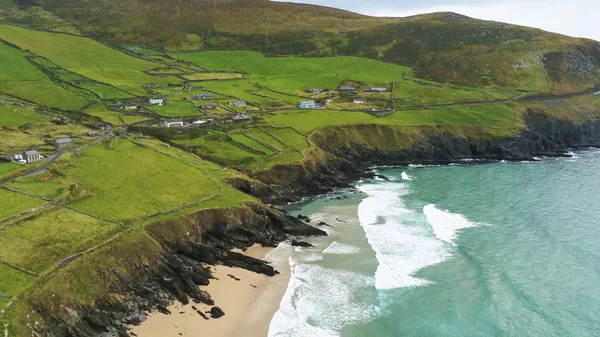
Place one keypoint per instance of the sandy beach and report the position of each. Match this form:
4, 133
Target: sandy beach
249, 305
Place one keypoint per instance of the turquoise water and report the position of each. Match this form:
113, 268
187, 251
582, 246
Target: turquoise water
495, 249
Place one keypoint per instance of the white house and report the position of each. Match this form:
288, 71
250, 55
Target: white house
238, 103
241, 117
156, 100
377, 90
178, 124
32, 156
360, 101
307, 105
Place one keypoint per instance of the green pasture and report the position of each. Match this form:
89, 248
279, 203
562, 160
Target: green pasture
290, 137
207, 76
132, 119
8, 169
17, 138
266, 138
105, 91
46, 184
493, 115
12, 281
101, 111
243, 139
132, 181
291, 74
176, 108
15, 203
40, 241
20, 78
15, 115
90, 59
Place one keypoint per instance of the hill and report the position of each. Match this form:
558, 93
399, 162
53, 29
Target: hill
440, 46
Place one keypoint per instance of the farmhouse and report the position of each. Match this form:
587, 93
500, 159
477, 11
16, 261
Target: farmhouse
238, 103
376, 90
32, 156
131, 107
360, 101
208, 106
346, 88
200, 122
198, 97
308, 105
241, 117
174, 124
315, 91
63, 143
156, 100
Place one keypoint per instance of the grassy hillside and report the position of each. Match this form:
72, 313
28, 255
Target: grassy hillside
90, 58
20, 78
441, 46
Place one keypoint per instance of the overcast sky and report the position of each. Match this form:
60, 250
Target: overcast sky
579, 18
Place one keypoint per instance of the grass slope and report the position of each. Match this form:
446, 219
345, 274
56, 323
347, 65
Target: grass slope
131, 181
89, 58
294, 74
20, 78
15, 115
42, 240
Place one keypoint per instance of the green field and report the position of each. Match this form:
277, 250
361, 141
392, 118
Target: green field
176, 108
90, 59
132, 119
17, 138
105, 91
494, 115
15, 203
221, 149
20, 78
15, 115
205, 76
41, 241
13, 282
267, 139
422, 93
290, 137
102, 112
241, 138
294, 74
46, 184
131, 181
7, 169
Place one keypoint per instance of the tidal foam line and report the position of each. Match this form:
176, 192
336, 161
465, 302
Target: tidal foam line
401, 250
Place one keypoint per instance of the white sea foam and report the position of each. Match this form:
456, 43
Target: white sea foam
445, 224
405, 176
401, 250
319, 302
340, 248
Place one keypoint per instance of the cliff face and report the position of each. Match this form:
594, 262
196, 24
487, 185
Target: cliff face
357, 148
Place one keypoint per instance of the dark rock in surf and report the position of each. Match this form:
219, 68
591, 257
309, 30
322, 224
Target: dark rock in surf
301, 244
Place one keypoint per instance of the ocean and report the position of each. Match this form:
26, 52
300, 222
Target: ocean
473, 249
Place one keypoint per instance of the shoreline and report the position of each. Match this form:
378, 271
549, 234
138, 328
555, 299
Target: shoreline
249, 301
